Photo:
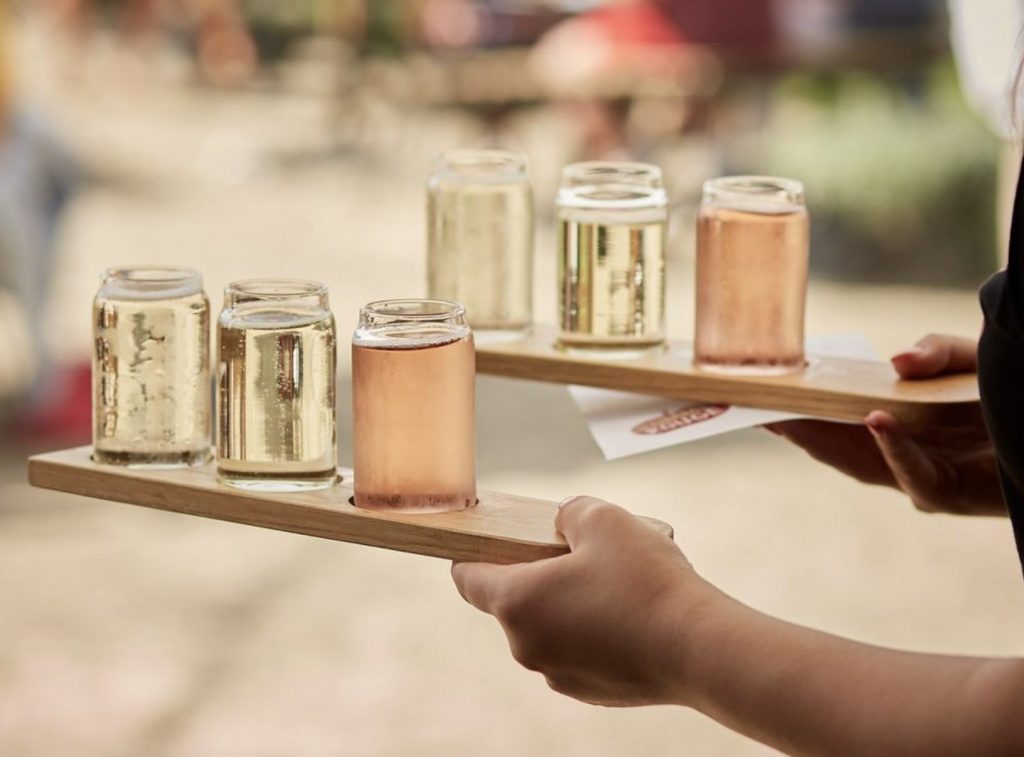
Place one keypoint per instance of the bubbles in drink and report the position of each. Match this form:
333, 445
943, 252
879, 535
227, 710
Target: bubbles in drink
611, 277
276, 388
480, 238
611, 258
151, 374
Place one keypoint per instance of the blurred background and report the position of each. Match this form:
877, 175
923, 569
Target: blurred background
251, 137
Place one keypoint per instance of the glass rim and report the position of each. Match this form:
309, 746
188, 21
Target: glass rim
275, 288
481, 159
144, 274
755, 187
400, 309
612, 171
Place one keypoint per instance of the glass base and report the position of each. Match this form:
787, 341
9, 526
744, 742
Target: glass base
499, 336
152, 460
617, 351
395, 504
262, 482
750, 369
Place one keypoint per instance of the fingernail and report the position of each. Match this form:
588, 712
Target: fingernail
911, 353
874, 426
566, 501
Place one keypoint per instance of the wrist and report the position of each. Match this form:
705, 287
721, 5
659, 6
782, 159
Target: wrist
695, 617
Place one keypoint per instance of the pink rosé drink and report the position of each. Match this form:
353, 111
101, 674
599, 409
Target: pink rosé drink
414, 435
752, 254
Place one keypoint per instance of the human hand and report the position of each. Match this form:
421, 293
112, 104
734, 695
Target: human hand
948, 469
604, 623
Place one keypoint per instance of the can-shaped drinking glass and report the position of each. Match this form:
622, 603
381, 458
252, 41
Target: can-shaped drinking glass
480, 239
414, 410
753, 240
276, 386
612, 225
151, 368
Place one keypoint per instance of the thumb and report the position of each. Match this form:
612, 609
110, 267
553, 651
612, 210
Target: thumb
937, 355
581, 519
914, 471
479, 582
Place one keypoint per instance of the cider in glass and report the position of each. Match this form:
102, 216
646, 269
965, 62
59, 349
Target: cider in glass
151, 368
612, 224
277, 358
480, 239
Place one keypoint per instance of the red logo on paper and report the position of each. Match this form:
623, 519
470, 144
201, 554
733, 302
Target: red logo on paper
673, 420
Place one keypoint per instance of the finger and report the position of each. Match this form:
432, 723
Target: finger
915, 473
479, 582
937, 355
580, 518
847, 447
808, 433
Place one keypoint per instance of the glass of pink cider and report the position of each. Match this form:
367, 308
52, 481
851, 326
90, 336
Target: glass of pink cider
753, 242
414, 407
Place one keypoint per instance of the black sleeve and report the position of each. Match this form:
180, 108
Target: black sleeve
1001, 370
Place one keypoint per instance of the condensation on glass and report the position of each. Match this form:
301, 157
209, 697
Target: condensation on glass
612, 224
413, 397
480, 239
151, 368
277, 357
753, 240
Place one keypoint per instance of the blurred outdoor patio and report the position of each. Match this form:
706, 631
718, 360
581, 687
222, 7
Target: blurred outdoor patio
128, 632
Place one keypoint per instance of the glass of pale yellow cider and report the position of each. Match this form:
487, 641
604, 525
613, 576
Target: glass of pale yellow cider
612, 225
480, 239
414, 411
151, 368
753, 243
276, 395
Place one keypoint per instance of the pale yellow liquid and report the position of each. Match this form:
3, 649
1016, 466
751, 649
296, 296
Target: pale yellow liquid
414, 423
480, 250
751, 289
611, 282
276, 400
151, 380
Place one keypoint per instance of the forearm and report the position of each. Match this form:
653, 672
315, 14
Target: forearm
807, 692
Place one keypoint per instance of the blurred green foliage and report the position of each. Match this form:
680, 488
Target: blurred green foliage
900, 176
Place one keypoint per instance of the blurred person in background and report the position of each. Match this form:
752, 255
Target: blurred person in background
591, 64
596, 63
601, 61
37, 179
625, 620
488, 23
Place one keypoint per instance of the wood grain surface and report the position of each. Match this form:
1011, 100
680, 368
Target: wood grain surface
502, 528
828, 387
